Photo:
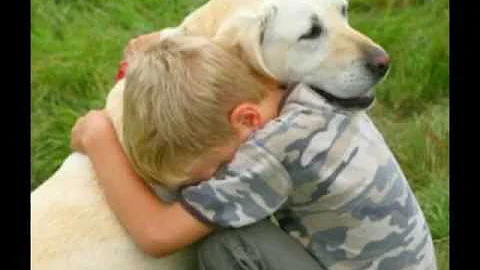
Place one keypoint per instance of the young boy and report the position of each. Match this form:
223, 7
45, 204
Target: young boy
186, 100
339, 189
178, 96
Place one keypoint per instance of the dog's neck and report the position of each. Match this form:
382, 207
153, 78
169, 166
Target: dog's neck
114, 108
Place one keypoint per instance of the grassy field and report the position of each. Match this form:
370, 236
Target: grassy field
76, 46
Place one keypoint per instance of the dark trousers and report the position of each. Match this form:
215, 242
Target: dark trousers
261, 246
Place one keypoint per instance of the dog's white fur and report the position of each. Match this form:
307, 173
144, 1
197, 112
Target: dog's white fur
72, 226
335, 61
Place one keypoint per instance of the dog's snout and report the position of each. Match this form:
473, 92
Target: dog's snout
378, 62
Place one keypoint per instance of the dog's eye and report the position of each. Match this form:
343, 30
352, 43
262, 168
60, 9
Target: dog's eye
314, 32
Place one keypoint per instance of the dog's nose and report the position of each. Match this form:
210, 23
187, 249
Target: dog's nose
378, 62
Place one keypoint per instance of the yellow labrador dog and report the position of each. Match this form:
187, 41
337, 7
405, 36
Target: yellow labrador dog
310, 41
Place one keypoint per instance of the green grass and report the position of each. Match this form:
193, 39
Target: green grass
76, 46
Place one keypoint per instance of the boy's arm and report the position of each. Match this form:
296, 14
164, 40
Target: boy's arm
250, 188
158, 228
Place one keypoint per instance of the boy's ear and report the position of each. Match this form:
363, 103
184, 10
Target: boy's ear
245, 118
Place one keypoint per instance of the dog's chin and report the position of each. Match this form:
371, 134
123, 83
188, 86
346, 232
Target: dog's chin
353, 103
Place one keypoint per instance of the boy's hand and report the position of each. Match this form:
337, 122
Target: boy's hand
91, 131
140, 43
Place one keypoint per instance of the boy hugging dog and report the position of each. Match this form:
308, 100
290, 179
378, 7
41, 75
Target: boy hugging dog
234, 148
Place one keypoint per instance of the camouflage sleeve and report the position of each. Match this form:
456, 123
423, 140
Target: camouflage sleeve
250, 188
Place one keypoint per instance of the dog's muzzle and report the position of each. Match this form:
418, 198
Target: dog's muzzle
347, 103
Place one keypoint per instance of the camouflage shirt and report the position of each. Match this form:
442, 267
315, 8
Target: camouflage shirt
333, 184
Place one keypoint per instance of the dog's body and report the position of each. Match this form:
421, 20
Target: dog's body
72, 226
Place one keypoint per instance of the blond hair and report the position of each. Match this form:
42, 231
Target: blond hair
177, 99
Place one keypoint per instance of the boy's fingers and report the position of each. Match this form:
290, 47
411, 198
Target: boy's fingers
73, 134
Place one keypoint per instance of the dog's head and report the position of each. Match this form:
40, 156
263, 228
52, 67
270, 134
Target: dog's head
310, 41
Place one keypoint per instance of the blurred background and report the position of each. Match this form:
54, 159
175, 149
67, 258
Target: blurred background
76, 46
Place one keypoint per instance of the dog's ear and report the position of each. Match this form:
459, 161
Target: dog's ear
243, 34
253, 44
269, 10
